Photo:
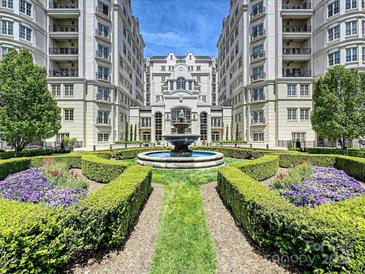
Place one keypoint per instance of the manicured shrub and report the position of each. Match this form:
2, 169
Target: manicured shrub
355, 152
73, 161
288, 160
30, 153
261, 168
130, 153
238, 153
101, 170
353, 166
329, 238
11, 166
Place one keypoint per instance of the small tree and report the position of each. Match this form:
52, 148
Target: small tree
227, 133
339, 109
126, 132
28, 111
131, 134
135, 132
237, 133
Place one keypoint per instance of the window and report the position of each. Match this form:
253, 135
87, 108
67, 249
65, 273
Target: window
204, 126
257, 73
158, 126
103, 30
7, 4
103, 73
145, 122
292, 89
103, 117
163, 79
103, 8
103, 51
292, 114
61, 136
363, 54
217, 122
334, 33
163, 68
4, 51
257, 9
25, 33
304, 90
257, 52
68, 114
258, 137
257, 31
333, 8
257, 94
298, 136
103, 94
181, 84
198, 68
69, 90
171, 85
199, 79
304, 114
103, 137
351, 28
351, 54
56, 90
334, 58
258, 117
351, 4
7, 27
190, 85
25, 7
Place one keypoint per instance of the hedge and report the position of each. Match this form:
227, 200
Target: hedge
327, 239
353, 166
11, 166
260, 169
130, 153
238, 153
355, 152
30, 153
37, 239
288, 160
101, 170
73, 161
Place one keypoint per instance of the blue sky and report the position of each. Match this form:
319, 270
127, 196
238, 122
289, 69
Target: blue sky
180, 26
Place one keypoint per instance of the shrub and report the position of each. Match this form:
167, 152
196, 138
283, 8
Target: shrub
353, 166
350, 152
72, 160
238, 153
11, 166
101, 170
130, 153
30, 153
288, 160
327, 239
260, 169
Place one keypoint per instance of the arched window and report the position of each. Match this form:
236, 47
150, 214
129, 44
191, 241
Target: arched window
175, 113
203, 126
181, 84
158, 126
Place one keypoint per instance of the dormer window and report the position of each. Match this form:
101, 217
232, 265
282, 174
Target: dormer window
181, 84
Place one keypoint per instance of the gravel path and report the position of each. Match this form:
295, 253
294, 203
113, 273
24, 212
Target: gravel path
234, 251
137, 254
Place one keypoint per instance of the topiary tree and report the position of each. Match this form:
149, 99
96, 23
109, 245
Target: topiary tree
126, 132
227, 133
28, 111
237, 133
339, 109
135, 132
131, 134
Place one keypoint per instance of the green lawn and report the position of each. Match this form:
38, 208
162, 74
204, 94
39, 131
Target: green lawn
184, 244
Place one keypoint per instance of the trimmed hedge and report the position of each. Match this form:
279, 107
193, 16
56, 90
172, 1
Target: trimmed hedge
353, 166
11, 166
288, 160
73, 161
355, 152
238, 153
130, 153
30, 153
37, 239
101, 170
260, 169
329, 238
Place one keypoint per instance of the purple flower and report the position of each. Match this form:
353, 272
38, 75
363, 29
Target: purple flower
326, 185
32, 186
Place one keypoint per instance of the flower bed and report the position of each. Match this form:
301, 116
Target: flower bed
34, 186
325, 185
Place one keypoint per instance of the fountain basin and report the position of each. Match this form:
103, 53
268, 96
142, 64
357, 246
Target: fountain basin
164, 159
181, 143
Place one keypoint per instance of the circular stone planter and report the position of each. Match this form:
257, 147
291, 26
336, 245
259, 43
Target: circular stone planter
199, 159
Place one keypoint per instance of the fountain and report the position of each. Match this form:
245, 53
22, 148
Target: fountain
181, 156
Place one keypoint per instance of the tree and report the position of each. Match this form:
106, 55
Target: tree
131, 134
135, 132
126, 132
237, 132
28, 111
227, 133
339, 105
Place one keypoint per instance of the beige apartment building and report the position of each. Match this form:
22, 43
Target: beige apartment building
270, 53
94, 55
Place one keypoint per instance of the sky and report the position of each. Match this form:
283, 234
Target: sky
180, 26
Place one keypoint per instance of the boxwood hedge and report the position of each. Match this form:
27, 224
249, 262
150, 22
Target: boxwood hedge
130, 153
329, 238
355, 152
30, 153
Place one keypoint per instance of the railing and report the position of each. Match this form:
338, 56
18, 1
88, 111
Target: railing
103, 98
102, 55
71, 72
102, 34
257, 55
257, 34
64, 28
103, 121
296, 51
297, 73
106, 12
63, 5
297, 6
257, 12
258, 122
297, 28
67, 51
258, 98
258, 76
103, 76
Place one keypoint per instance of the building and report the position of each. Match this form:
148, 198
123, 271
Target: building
270, 53
176, 84
94, 54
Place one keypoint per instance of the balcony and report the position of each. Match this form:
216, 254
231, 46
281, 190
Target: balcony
62, 54
297, 10
105, 36
258, 76
296, 29
103, 12
103, 57
257, 14
65, 72
258, 98
297, 54
103, 76
297, 6
103, 98
297, 32
259, 122
257, 36
63, 9
63, 31
258, 56
101, 121
297, 73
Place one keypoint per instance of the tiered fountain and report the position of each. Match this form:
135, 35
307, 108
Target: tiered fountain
181, 156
